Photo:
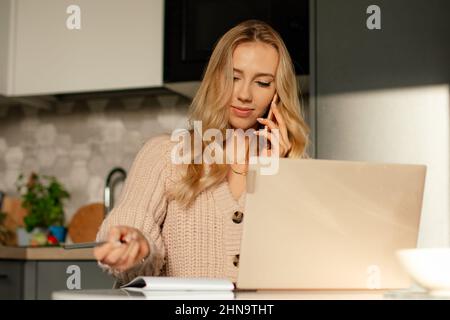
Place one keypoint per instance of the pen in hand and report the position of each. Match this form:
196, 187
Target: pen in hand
84, 245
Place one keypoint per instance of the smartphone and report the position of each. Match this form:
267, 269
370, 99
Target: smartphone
268, 115
269, 112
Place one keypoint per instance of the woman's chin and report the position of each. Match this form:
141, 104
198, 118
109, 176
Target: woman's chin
243, 124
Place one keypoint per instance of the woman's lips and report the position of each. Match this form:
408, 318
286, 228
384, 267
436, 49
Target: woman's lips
241, 112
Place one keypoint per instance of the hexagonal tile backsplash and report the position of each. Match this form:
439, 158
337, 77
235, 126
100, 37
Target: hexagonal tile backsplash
79, 142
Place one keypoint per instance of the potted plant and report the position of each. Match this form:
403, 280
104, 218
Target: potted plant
43, 197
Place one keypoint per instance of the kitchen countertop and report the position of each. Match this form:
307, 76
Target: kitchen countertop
44, 253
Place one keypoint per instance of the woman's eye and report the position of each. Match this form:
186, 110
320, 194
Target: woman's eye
235, 78
263, 84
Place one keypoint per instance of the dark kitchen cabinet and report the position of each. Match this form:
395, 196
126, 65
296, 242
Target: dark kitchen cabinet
29, 279
11, 280
192, 27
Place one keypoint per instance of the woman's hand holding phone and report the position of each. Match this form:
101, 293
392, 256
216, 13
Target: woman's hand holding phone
280, 124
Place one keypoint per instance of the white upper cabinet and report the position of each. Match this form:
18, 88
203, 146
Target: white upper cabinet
119, 45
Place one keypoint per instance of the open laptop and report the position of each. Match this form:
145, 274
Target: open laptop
328, 224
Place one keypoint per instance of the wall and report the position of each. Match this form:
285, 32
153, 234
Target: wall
79, 142
383, 95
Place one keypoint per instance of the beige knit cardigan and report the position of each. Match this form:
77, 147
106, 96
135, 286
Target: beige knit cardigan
201, 241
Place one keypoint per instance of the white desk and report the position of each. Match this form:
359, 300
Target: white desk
122, 294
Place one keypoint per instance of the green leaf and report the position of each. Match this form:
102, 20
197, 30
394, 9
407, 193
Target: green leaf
44, 201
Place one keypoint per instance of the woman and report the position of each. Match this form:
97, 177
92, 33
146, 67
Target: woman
185, 220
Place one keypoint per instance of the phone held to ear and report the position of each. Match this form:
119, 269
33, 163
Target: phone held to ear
270, 114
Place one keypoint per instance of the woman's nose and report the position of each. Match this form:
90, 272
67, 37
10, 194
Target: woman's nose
244, 93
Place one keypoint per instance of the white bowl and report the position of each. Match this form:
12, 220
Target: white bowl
429, 267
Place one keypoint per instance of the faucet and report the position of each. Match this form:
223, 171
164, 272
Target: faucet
110, 185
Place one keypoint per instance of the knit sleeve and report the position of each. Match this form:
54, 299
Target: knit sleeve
142, 204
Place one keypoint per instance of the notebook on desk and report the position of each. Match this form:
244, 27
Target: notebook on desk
327, 224
175, 288
179, 284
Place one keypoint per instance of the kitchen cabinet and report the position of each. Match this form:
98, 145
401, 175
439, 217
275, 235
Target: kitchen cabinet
38, 279
383, 94
192, 27
11, 280
34, 273
119, 45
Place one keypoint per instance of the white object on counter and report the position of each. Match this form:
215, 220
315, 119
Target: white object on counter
429, 267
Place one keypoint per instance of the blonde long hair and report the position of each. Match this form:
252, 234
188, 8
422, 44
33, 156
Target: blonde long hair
210, 104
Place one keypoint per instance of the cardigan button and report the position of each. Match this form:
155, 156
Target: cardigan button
236, 260
238, 216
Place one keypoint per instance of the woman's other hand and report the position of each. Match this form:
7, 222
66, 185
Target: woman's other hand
125, 248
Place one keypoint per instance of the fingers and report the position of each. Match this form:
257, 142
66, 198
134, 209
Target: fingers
281, 124
113, 256
274, 140
133, 254
130, 236
274, 99
144, 248
114, 234
269, 116
122, 255
271, 137
266, 153
268, 123
113, 241
102, 251
272, 105
127, 260
118, 233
